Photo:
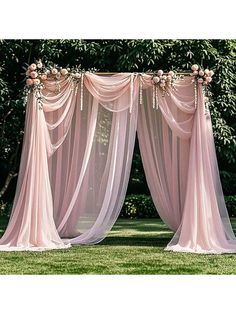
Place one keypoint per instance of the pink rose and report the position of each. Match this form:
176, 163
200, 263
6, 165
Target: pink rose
54, 71
201, 73
64, 72
43, 77
194, 67
208, 79
200, 80
156, 79
160, 72
171, 73
36, 81
33, 74
163, 84
195, 72
27, 72
32, 67
29, 82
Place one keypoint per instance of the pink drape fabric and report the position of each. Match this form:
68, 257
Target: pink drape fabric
164, 139
178, 153
77, 156
78, 163
31, 225
205, 225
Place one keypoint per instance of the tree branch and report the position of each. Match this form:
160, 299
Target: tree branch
12, 174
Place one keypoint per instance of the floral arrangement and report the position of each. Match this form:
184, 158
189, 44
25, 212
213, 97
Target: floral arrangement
37, 73
203, 76
164, 81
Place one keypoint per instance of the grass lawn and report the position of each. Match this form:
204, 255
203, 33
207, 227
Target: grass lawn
132, 247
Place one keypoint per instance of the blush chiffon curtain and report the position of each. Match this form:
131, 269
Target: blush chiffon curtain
77, 156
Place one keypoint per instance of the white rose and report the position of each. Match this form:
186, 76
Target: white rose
64, 72
156, 79
39, 65
54, 71
77, 75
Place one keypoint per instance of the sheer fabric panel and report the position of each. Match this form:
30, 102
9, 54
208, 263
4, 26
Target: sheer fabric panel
77, 156
178, 153
75, 163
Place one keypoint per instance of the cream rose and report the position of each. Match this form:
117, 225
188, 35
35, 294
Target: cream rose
156, 79
43, 77
36, 81
54, 71
64, 72
32, 67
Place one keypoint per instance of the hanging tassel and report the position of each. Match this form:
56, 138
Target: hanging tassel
58, 87
76, 87
39, 97
140, 89
195, 93
131, 92
82, 92
153, 96
156, 98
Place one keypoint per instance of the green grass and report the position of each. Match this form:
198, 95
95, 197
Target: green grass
132, 247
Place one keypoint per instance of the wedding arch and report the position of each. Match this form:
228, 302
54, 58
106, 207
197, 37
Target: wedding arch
79, 137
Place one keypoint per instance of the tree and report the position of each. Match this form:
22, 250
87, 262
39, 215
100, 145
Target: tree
116, 55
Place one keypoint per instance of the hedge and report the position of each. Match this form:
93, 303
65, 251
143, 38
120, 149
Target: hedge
137, 206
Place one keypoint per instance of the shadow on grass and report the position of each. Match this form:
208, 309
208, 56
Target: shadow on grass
136, 241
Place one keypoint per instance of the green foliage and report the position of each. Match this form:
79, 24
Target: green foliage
5, 209
231, 205
228, 180
138, 206
119, 55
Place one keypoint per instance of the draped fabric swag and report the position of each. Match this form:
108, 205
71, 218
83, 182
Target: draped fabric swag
77, 155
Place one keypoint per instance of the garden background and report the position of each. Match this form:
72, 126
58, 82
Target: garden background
120, 56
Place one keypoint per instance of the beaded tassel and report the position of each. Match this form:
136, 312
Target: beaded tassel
153, 96
76, 87
140, 90
195, 93
39, 98
58, 87
131, 92
156, 98
81, 91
